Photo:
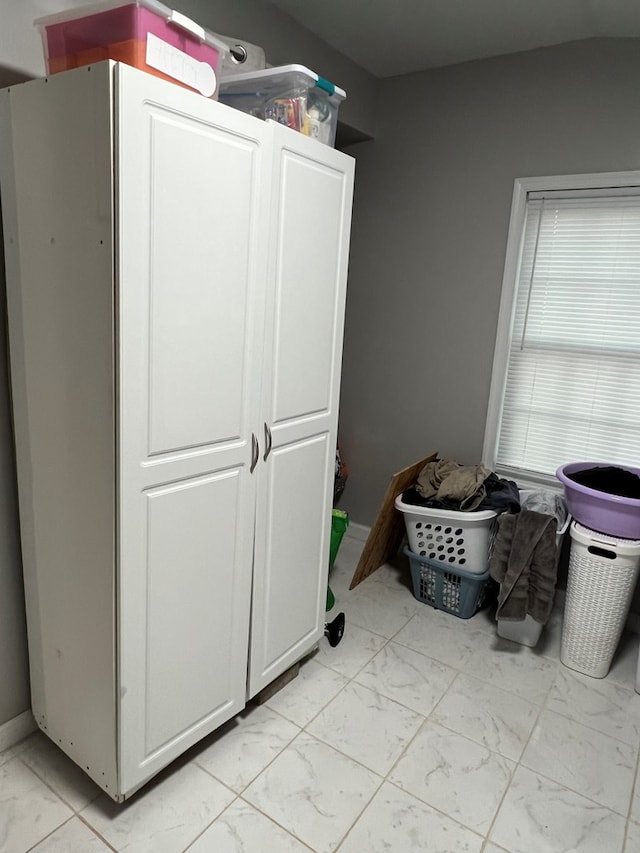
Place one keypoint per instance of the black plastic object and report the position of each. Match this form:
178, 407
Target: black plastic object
334, 630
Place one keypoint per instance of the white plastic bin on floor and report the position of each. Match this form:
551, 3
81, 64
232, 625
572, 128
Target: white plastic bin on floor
527, 631
602, 576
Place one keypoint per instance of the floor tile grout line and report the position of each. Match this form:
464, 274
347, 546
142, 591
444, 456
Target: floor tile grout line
517, 764
275, 821
48, 784
343, 755
210, 824
95, 831
352, 681
439, 811
487, 684
525, 698
562, 670
364, 665
49, 834
262, 770
592, 728
573, 791
576, 722
360, 813
304, 729
239, 797
464, 672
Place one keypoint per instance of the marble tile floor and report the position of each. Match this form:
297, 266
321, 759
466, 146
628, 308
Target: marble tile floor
419, 732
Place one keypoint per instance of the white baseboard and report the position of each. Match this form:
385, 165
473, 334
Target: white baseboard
16, 729
358, 531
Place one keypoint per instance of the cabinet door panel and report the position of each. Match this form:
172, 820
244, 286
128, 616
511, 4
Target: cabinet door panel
192, 201
309, 293
189, 604
309, 228
199, 252
290, 573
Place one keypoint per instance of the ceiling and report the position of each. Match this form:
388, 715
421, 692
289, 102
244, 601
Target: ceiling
391, 37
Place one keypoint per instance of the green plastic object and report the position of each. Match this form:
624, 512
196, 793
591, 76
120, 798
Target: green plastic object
339, 523
331, 599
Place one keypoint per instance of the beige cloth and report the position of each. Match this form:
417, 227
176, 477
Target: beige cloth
445, 479
524, 562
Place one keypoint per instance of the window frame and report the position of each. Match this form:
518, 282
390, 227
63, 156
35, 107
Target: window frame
522, 188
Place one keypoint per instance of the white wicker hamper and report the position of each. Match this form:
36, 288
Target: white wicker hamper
602, 576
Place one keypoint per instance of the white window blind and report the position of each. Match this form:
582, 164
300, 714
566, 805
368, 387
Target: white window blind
572, 389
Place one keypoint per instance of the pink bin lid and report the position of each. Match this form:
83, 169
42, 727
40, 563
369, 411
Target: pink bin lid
172, 17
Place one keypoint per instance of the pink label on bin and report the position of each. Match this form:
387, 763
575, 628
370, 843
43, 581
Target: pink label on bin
175, 63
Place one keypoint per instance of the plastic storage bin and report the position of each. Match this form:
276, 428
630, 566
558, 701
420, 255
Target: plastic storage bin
602, 575
142, 33
613, 515
289, 94
460, 540
452, 590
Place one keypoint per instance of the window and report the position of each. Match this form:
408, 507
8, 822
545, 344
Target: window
566, 376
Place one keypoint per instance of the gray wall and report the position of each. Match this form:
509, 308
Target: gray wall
433, 195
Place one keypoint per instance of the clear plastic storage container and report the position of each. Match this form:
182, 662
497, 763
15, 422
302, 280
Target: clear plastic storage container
289, 94
142, 33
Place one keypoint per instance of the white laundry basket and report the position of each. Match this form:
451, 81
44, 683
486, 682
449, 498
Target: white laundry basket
460, 540
602, 576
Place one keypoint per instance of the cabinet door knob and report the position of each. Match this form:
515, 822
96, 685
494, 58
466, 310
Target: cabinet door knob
267, 441
255, 452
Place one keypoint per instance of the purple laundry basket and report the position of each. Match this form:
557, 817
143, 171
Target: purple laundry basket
612, 515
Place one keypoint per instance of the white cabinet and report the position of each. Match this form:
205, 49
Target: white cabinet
176, 276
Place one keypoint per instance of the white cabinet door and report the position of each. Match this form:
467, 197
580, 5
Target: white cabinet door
309, 229
192, 198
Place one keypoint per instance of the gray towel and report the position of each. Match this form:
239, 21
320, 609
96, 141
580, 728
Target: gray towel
524, 562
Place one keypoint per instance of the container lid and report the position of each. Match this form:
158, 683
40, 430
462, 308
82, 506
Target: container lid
172, 17
269, 80
586, 536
